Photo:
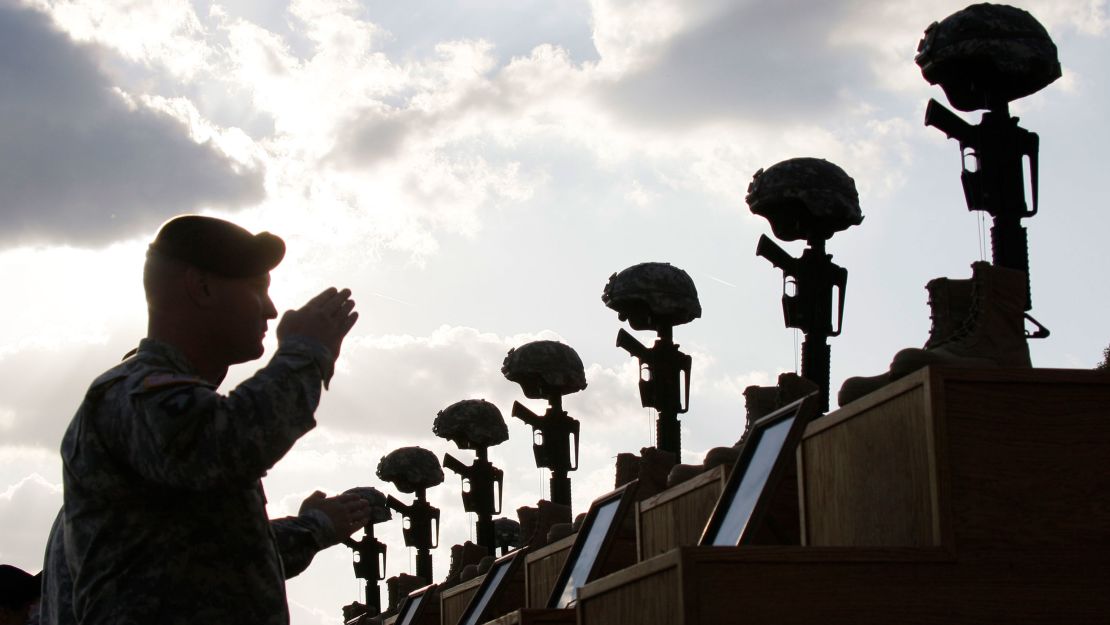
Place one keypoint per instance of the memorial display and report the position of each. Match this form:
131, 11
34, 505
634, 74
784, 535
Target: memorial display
955, 486
983, 57
370, 553
657, 296
808, 199
549, 370
415, 470
476, 424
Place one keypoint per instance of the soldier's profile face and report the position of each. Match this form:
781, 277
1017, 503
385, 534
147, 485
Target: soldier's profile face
244, 310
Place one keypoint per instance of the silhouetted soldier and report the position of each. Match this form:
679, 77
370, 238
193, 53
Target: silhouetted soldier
164, 513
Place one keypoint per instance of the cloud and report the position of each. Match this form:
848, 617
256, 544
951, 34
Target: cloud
84, 164
39, 418
27, 509
404, 381
731, 63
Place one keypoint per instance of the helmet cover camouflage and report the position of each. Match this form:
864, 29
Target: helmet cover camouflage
545, 368
652, 296
410, 469
987, 55
805, 198
471, 423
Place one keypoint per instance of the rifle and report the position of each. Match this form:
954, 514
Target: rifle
479, 482
418, 530
809, 307
664, 383
482, 478
814, 275
369, 566
993, 180
552, 434
551, 444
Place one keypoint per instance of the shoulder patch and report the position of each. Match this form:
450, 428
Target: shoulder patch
157, 381
177, 403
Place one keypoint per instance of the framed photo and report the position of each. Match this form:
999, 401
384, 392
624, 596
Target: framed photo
414, 605
763, 459
494, 583
592, 544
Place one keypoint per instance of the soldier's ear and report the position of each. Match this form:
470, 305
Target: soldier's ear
198, 286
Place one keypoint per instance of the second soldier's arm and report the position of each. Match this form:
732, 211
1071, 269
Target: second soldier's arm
321, 522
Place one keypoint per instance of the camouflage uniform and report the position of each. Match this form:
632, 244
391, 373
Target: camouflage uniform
298, 539
165, 518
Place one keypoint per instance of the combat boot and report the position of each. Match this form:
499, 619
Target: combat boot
949, 307
992, 335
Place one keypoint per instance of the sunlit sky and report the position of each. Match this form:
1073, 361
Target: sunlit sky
474, 171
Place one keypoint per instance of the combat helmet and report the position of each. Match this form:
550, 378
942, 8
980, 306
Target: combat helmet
471, 424
379, 510
805, 198
410, 469
652, 296
545, 369
987, 55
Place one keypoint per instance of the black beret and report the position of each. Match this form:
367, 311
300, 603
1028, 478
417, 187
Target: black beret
17, 587
218, 246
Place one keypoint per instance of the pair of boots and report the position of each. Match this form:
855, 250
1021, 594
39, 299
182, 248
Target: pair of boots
975, 323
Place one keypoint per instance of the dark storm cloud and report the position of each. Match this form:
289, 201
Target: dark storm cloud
765, 61
77, 166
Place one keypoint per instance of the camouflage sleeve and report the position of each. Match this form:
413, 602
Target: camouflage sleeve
300, 537
185, 434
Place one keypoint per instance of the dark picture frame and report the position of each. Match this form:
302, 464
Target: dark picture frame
414, 605
592, 544
502, 570
769, 447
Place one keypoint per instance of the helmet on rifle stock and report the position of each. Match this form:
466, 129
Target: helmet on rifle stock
652, 295
805, 198
471, 423
987, 55
544, 369
410, 469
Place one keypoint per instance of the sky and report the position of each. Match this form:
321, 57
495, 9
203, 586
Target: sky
475, 171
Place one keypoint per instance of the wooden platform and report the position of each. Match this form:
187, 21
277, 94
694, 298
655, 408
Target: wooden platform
818, 585
453, 600
540, 616
950, 496
981, 460
677, 516
541, 569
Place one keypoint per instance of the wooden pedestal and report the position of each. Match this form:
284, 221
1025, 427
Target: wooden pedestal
849, 585
950, 496
541, 569
677, 516
977, 460
453, 600
529, 616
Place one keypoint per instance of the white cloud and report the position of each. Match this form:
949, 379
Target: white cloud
27, 509
167, 33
